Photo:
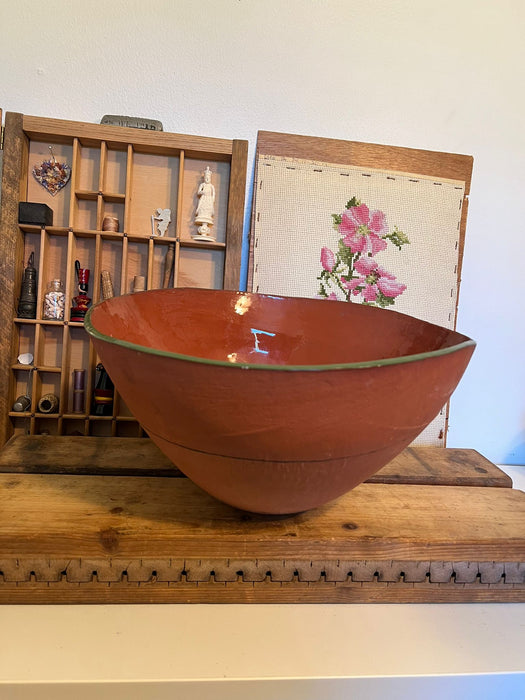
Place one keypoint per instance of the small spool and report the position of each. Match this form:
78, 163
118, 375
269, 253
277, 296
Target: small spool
22, 404
110, 223
79, 379
48, 404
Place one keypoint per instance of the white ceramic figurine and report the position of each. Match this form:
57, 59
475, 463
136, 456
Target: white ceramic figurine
163, 218
205, 208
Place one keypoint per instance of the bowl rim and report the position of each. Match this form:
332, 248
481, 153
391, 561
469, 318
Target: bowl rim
364, 364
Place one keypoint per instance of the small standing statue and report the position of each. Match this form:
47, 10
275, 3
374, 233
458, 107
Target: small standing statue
205, 208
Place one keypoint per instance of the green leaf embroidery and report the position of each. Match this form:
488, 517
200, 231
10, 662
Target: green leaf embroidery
397, 237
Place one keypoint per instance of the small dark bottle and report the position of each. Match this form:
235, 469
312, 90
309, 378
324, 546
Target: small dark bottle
28, 292
102, 404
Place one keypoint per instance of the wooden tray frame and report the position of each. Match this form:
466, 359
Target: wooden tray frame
111, 157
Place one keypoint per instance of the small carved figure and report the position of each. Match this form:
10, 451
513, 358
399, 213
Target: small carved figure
205, 208
163, 219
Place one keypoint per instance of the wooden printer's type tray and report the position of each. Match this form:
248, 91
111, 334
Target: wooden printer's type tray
138, 537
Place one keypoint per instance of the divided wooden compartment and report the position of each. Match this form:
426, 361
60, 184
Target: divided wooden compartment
117, 172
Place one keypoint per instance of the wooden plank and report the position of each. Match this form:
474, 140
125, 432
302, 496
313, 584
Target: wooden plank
121, 539
41, 454
140, 457
232, 265
161, 142
152, 592
451, 166
87, 516
440, 466
11, 254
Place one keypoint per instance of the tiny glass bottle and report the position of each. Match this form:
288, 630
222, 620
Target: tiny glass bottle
54, 301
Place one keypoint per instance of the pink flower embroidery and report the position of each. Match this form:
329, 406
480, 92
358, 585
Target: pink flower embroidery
361, 229
373, 280
327, 259
351, 271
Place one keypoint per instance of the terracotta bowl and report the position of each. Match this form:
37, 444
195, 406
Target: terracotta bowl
275, 404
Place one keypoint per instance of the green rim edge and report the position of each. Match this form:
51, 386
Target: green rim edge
279, 368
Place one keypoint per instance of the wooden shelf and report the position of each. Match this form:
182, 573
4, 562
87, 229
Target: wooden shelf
118, 172
55, 230
33, 368
108, 197
38, 321
88, 196
205, 245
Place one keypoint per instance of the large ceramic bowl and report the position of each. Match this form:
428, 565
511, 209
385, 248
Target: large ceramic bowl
275, 404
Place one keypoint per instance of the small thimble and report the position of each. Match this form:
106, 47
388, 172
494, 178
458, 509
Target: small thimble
139, 283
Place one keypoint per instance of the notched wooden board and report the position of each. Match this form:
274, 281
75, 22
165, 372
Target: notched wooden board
94, 539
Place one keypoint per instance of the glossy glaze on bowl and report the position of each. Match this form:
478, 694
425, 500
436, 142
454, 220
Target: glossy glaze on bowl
275, 404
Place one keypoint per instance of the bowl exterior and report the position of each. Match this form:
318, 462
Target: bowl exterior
280, 441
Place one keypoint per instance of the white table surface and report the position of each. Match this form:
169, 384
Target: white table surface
281, 652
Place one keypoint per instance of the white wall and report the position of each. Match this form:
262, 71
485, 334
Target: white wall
444, 75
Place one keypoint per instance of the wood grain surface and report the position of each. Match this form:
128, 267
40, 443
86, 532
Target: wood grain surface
70, 538
11, 259
141, 457
450, 166
117, 136
78, 516
234, 230
81, 538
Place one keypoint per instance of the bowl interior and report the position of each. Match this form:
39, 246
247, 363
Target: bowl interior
235, 327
